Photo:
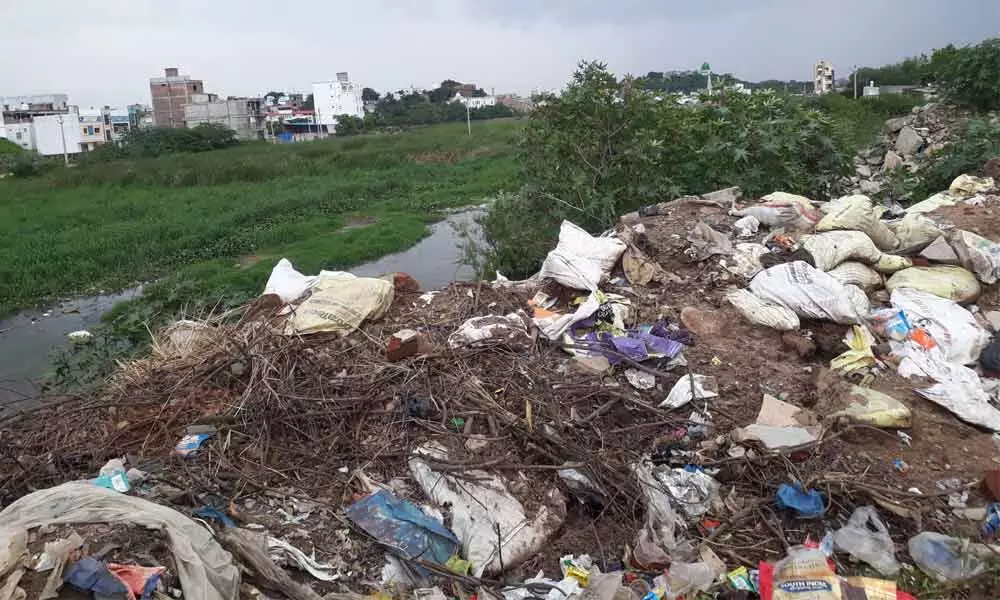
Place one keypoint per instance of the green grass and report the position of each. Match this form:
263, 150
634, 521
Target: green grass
186, 220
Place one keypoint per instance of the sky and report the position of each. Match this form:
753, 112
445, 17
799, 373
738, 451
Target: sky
102, 52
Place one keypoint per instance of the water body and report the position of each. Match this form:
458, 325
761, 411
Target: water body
28, 338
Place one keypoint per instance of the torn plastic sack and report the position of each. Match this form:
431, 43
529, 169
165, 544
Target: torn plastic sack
479, 503
206, 571
554, 325
580, 260
781, 209
913, 233
944, 558
953, 328
286, 282
890, 263
872, 407
808, 291
702, 388
807, 504
944, 281
831, 248
965, 186
958, 388
866, 538
402, 525
856, 213
746, 226
763, 312
706, 242
933, 203
510, 330
860, 356
641, 270
340, 302
978, 254
745, 260
855, 273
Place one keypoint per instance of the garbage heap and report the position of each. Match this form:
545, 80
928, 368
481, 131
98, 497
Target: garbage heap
905, 142
724, 395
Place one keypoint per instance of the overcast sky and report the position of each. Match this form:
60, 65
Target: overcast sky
103, 51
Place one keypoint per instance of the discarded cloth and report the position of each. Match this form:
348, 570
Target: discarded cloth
139, 581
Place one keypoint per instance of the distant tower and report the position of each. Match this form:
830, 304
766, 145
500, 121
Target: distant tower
823, 77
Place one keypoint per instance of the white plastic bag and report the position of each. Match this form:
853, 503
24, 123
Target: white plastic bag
942, 557
286, 282
704, 387
746, 226
746, 260
808, 291
478, 501
855, 273
831, 248
944, 281
857, 213
953, 329
866, 538
511, 330
580, 260
763, 312
781, 209
978, 254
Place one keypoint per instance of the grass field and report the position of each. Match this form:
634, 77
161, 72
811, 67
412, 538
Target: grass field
187, 220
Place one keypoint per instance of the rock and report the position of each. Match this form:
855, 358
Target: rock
590, 365
908, 142
403, 282
869, 187
940, 251
874, 160
993, 316
992, 168
406, 343
702, 323
894, 125
863, 171
891, 161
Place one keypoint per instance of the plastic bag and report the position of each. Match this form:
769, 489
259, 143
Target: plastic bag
781, 209
706, 242
875, 408
746, 226
944, 281
580, 260
866, 538
809, 292
978, 254
913, 232
510, 330
659, 532
340, 302
703, 387
954, 329
746, 260
804, 574
763, 312
686, 579
856, 273
831, 248
286, 282
857, 213
942, 557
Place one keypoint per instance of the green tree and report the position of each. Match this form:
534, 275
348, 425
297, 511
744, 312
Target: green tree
369, 95
969, 76
350, 125
309, 103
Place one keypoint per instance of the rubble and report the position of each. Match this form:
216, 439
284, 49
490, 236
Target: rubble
595, 424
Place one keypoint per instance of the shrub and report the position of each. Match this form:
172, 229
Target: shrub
157, 141
970, 76
607, 146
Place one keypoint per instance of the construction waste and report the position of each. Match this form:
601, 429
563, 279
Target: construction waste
720, 397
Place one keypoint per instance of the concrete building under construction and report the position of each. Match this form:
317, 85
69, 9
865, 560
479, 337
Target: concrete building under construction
170, 95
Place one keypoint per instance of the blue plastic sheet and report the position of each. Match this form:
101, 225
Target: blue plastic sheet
91, 575
210, 513
807, 503
402, 525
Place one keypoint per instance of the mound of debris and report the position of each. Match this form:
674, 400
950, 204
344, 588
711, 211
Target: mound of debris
716, 396
905, 141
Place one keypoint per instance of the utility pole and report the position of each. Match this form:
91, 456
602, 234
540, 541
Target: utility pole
855, 82
62, 133
468, 117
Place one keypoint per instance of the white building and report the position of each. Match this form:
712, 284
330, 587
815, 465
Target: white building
55, 134
22, 134
475, 102
823, 77
92, 127
334, 98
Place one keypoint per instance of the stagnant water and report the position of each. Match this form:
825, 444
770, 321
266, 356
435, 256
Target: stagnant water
28, 339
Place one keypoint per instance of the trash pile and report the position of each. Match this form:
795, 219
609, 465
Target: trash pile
726, 396
906, 139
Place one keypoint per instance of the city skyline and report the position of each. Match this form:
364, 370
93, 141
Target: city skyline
249, 48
